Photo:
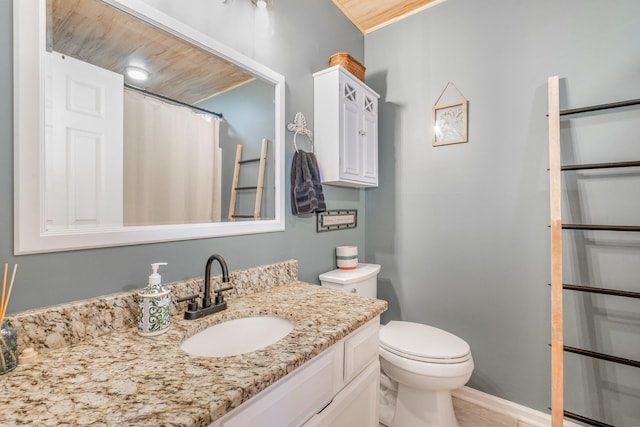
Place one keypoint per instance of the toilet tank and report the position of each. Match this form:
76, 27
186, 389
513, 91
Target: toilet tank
362, 280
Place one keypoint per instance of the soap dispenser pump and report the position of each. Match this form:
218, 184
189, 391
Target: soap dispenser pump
154, 305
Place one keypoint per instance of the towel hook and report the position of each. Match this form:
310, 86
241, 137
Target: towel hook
308, 136
299, 126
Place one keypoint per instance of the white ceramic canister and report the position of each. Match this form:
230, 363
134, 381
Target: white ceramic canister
154, 306
347, 257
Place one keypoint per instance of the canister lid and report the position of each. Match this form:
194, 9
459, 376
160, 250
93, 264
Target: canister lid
346, 277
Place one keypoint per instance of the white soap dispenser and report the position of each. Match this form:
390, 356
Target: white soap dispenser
154, 305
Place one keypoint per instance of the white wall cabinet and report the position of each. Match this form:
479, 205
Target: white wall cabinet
345, 129
337, 388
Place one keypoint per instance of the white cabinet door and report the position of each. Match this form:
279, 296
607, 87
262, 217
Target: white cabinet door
369, 139
361, 348
350, 152
356, 405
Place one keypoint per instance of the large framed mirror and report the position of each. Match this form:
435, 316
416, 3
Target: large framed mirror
102, 159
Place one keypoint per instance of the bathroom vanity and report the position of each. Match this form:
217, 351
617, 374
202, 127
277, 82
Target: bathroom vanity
337, 388
322, 373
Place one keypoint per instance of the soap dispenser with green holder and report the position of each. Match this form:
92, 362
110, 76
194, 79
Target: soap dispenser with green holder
154, 305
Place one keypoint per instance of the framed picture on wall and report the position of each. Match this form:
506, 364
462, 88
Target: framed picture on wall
449, 123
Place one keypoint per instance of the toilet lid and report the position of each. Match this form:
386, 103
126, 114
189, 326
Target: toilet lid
423, 343
346, 277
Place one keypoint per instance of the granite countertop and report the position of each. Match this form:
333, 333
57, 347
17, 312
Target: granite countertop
129, 380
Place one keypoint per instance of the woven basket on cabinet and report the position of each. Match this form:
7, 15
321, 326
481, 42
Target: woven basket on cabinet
348, 63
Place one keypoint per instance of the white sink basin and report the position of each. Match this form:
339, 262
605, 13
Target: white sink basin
237, 336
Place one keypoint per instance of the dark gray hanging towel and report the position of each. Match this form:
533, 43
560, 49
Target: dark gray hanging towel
306, 190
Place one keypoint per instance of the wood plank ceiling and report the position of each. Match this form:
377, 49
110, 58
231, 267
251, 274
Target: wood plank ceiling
369, 15
93, 32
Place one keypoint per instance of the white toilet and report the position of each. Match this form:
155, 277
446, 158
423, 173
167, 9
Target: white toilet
426, 362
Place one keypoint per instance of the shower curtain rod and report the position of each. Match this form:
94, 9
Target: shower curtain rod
174, 101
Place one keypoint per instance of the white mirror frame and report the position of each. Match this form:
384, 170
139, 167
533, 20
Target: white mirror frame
30, 236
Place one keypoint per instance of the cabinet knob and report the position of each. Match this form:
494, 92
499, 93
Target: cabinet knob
354, 291
363, 133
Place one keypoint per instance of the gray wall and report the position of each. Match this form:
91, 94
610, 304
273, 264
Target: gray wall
293, 46
461, 231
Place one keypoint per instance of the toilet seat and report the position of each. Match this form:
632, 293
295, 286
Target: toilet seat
423, 343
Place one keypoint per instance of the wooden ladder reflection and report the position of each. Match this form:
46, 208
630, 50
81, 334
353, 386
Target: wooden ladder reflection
258, 188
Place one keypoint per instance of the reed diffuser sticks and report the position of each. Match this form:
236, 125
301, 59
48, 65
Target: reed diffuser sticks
6, 292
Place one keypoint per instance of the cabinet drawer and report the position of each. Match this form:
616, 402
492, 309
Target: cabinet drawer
292, 400
360, 349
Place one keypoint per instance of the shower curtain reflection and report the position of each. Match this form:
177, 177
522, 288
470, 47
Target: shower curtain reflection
158, 135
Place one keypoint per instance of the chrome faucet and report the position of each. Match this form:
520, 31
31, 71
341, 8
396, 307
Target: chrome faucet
193, 312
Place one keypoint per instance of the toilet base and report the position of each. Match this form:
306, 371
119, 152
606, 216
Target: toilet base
423, 408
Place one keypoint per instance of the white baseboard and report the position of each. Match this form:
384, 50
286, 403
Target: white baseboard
524, 415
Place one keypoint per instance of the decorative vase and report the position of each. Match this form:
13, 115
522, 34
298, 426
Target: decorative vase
8, 348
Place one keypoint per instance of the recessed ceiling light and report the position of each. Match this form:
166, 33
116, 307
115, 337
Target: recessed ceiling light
137, 73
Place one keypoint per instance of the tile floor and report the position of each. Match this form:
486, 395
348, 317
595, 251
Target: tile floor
470, 415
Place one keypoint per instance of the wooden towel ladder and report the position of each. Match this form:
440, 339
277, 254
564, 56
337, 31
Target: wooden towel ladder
257, 188
558, 413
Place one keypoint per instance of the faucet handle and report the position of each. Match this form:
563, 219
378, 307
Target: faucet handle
218, 292
193, 305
